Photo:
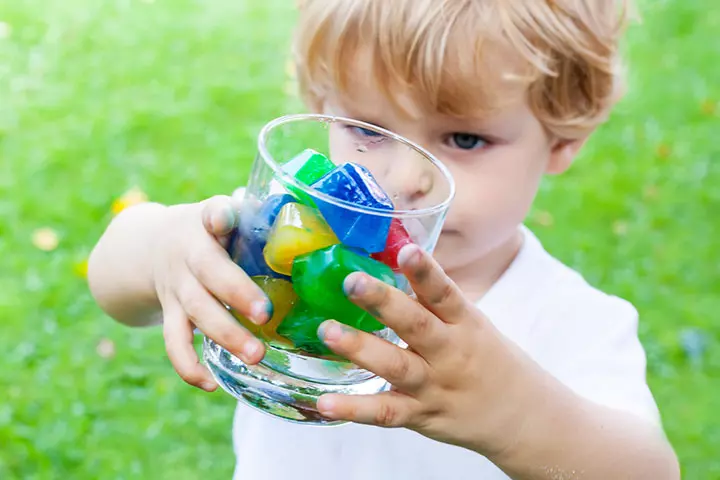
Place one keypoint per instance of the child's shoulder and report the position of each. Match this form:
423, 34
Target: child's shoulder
570, 294
574, 308
585, 337
546, 291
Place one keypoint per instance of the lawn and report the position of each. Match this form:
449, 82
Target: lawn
100, 97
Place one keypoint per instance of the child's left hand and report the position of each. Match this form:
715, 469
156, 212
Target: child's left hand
459, 382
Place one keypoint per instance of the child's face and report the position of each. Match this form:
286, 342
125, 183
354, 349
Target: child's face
497, 163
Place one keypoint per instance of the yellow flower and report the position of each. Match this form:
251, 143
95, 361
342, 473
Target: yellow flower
45, 239
5, 30
663, 150
134, 196
290, 69
620, 228
545, 219
708, 107
290, 88
651, 192
81, 269
105, 348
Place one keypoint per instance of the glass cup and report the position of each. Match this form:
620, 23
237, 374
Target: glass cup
326, 196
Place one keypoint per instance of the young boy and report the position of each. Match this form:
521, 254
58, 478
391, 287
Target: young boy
517, 367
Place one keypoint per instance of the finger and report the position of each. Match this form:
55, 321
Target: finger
213, 268
433, 288
178, 334
386, 409
215, 321
424, 332
219, 215
403, 369
238, 195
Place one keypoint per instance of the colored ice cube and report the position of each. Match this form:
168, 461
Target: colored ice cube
249, 239
299, 229
283, 298
301, 325
318, 280
397, 238
355, 184
403, 284
271, 209
307, 168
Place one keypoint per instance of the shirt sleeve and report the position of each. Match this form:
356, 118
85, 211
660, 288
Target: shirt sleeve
589, 341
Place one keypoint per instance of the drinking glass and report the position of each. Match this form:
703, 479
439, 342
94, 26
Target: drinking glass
297, 238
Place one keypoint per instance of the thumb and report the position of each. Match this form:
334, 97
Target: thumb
219, 215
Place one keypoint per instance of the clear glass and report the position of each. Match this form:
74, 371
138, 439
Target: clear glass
292, 375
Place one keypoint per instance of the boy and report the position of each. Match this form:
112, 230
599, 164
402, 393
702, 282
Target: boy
517, 367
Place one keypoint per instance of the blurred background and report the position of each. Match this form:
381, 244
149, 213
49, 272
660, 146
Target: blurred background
107, 103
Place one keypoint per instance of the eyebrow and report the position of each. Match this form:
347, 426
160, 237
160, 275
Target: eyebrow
503, 124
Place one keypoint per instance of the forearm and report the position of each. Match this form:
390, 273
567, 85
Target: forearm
567, 437
120, 266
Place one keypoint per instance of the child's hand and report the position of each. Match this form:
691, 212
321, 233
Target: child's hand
459, 381
193, 274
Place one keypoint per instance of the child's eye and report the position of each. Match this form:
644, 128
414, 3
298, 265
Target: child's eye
467, 141
365, 132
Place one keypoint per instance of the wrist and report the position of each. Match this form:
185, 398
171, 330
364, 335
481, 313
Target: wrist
543, 411
526, 394
562, 433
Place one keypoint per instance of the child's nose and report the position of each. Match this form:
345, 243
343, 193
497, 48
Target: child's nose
409, 181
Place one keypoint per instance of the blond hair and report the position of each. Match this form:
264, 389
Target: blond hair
564, 54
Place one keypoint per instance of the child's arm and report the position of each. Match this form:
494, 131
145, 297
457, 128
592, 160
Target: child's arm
567, 436
120, 266
167, 264
464, 383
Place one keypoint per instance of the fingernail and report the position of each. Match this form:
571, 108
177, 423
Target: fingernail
227, 220
208, 386
250, 349
355, 285
326, 406
330, 331
261, 311
409, 255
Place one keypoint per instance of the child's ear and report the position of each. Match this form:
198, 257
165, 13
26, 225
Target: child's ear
563, 154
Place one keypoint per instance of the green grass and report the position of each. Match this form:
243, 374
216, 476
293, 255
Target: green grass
97, 97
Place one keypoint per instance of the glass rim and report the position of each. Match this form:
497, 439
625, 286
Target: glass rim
289, 179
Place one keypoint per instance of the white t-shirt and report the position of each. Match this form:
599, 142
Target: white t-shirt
585, 338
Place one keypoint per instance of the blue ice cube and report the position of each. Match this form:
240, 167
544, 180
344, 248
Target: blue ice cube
249, 239
355, 184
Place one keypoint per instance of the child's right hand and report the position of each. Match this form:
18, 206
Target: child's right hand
193, 276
